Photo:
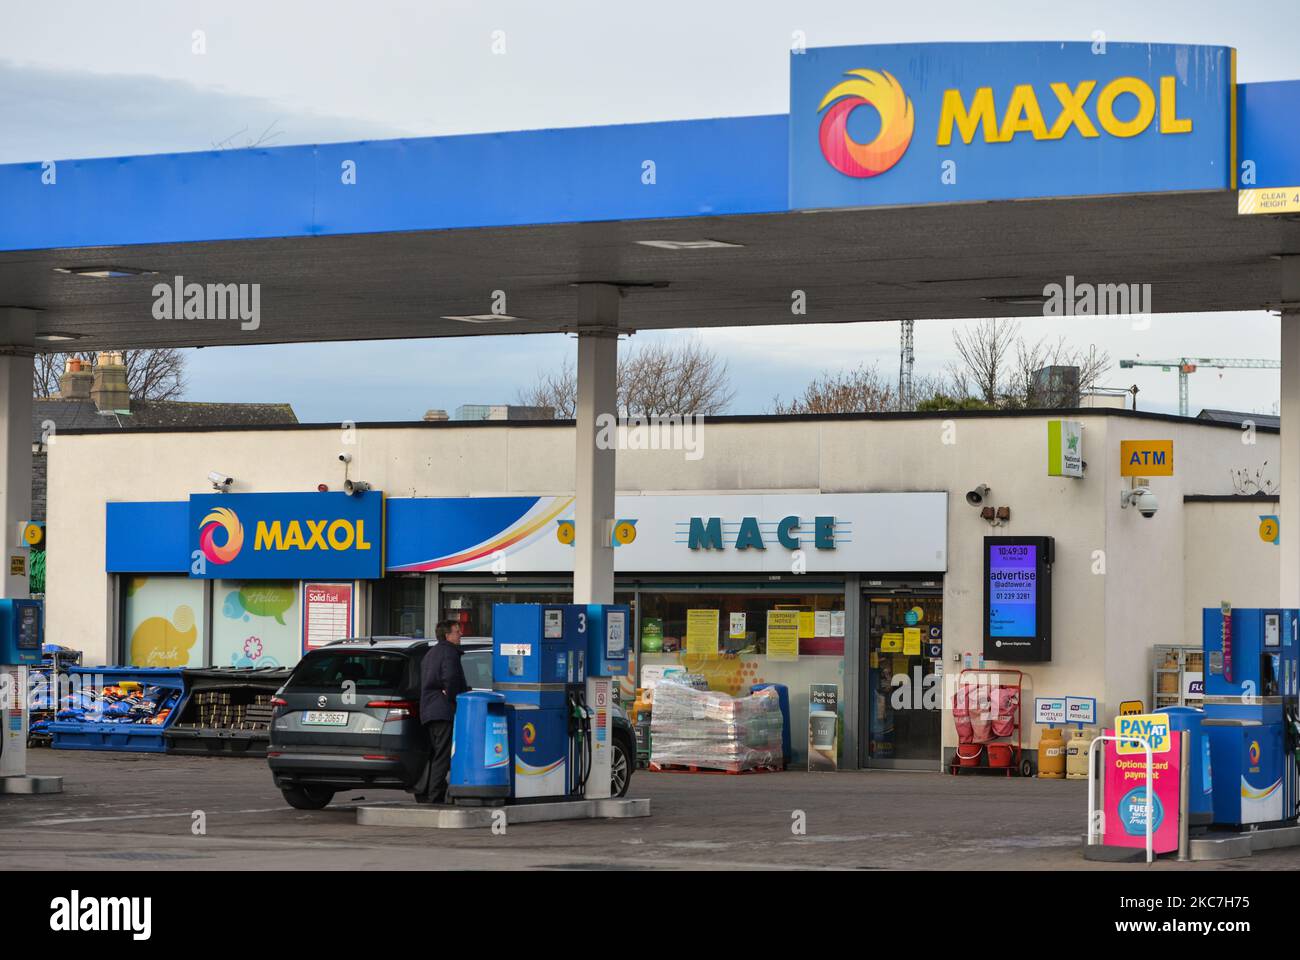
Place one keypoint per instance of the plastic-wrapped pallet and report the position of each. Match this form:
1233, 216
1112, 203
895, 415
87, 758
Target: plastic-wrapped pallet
705, 728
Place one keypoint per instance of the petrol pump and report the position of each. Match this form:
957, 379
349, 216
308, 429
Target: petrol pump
1251, 698
20, 648
546, 728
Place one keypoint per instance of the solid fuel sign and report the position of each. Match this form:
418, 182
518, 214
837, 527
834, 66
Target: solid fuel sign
1146, 458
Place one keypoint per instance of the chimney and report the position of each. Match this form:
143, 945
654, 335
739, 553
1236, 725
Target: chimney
109, 390
76, 380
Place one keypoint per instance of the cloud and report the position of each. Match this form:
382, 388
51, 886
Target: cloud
50, 114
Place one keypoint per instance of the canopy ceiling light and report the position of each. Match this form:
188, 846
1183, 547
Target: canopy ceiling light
688, 244
105, 273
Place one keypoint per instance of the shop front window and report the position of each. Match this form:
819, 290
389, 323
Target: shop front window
738, 640
472, 609
163, 621
255, 623
398, 607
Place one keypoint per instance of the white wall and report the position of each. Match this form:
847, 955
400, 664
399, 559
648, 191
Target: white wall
1235, 564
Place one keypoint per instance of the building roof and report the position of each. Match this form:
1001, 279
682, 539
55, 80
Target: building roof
1239, 417
82, 415
940, 415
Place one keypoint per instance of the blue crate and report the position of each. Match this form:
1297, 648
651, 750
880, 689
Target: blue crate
127, 737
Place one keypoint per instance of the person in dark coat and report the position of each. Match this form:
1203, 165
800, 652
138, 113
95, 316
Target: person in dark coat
442, 679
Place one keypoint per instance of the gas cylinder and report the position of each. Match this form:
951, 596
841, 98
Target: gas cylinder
1051, 755
1076, 754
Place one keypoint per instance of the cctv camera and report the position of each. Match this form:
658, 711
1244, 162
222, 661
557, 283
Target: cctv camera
977, 496
354, 488
1143, 499
1146, 502
220, 480
345, 457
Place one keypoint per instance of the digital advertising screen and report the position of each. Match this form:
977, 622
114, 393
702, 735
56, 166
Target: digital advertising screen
1017, 598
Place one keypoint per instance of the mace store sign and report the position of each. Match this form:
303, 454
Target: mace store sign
294, 536
741, 533
953, 122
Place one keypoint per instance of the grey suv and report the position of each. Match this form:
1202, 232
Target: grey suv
327, 736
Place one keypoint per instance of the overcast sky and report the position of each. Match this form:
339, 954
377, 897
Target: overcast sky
84, 79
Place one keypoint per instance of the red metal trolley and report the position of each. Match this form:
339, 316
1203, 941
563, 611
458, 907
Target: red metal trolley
988, 709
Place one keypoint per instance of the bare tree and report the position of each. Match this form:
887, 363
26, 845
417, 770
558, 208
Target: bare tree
150, 374
861, 390
557, 390
984, 353
1031, 358
661, 378
674, 378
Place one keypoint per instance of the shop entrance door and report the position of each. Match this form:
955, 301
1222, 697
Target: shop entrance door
904, 690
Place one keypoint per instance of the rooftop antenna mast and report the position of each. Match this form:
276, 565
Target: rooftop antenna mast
906, 361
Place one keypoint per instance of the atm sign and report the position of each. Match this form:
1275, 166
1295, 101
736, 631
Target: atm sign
1146, 458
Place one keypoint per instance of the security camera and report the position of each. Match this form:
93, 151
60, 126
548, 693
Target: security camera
219, 480
354, 488
977, 496
345, 457
1143, 499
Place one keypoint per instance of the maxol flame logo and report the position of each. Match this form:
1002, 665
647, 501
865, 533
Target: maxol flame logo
530, 733
1254, 753
221, 518
897, 121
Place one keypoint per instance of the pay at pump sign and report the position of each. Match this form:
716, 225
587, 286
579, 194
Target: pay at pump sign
1154, 727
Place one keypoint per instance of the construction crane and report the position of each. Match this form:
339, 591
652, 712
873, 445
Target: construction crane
1189, 365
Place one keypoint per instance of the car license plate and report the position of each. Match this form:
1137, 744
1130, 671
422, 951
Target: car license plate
326, 718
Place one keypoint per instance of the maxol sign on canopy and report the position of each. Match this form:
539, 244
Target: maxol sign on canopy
260, 536
948, 122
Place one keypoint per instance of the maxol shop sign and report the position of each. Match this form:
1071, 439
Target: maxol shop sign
268, 536
952, 122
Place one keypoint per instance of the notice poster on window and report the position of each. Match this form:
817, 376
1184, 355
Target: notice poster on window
702, 632
783, 634
912, 641
736, 631
327, 613
837, 623
807, 624
822, 623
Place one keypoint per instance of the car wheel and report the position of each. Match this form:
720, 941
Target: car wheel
620, 769
307, 798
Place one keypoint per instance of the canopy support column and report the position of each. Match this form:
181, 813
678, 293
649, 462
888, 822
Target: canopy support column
593, 571
1289, 441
